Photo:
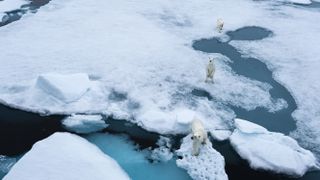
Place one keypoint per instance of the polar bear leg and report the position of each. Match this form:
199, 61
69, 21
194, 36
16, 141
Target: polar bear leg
195, 147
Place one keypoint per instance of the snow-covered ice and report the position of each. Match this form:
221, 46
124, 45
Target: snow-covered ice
144, 49
220, 134
84, 123
139, 48
65, 156
67, 88
271, 151
209, 164
9, 5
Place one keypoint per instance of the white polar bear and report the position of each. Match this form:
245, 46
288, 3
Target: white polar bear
220, 25
199, 136
210, 71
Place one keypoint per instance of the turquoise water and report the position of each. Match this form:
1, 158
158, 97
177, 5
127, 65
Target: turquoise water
135, 161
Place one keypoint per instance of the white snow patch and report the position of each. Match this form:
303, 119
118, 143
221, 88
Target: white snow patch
271, 151
67, 87
220, 135
84, 123
65, 156
9, 5
209, 164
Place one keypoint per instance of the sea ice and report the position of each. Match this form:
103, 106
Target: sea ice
84, 123
271, 151
141, 49
209, 164
65, 87
9, 5
65, 156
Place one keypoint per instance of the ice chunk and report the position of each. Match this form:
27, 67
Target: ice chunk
84, 123
65, 156
220, 135
67, 87
271, 151
163, 152
6, 163
209, 164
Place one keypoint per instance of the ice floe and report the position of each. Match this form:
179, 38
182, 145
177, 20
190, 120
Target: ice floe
9, 5
65, 156
67, 88
84, 123
144, 49
209, 164
157, 70
271, 151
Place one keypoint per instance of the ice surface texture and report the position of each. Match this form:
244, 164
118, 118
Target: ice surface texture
139, 49
9, 5
143, 50
84, 123
271, 151
65, 156
209, 164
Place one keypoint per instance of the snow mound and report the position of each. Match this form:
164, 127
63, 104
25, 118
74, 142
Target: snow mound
65, 156
208, 165
271, 151
162, 153
67, 88
6, 163
84, 123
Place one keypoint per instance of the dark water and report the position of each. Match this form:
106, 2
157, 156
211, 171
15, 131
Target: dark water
280, 121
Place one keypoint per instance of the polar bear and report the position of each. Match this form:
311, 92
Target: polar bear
210, 71
199, 136
220, 25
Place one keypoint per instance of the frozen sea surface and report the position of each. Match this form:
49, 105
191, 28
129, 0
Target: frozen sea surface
134, 48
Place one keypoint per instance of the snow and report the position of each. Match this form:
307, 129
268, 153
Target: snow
209, 164
65, 156
271, 151
84, 123
220, 135
139, 48
144, 50
67, 88
9, 5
